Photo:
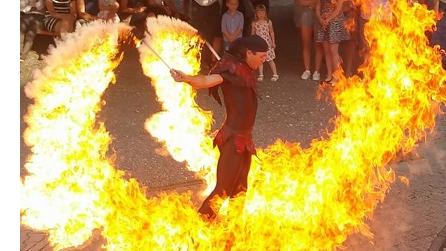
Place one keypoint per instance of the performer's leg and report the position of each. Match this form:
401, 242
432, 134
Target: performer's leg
241, 182
228, 171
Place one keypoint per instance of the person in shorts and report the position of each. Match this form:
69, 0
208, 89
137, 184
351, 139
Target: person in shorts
305, 19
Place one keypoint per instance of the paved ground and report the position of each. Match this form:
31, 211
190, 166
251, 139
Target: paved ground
409, 218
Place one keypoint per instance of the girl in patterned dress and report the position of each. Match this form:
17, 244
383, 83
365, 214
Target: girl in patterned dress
330, 32
263, 27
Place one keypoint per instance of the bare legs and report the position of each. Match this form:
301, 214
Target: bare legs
328, 59
349, 51
307, 38
332, 59
273, 67
306, 33
318, 60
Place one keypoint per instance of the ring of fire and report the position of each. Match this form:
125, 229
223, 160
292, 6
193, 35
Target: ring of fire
309, 199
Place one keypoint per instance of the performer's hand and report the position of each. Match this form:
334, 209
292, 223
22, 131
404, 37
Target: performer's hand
178, 76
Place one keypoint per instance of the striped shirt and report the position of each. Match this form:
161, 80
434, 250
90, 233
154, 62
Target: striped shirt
62, 6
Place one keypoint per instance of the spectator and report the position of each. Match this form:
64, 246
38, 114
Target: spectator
246, 7
331, 31
231, 23
61, 17
31, 16
263, 27
205, 16
305, 19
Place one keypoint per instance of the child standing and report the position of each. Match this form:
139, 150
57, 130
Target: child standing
231, 23
263, 27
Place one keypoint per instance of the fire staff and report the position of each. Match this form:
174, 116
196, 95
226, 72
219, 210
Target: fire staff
234, 74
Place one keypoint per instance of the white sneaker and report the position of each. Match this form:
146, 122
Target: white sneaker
306, 75
316, 76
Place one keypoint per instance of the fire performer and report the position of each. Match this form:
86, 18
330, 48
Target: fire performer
234, 73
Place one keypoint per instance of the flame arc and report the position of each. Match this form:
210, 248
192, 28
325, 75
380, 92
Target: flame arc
68, 168
298, 199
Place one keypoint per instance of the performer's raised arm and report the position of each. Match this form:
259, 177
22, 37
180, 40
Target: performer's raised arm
197, 81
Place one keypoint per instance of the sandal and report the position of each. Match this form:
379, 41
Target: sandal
274, 78
260, 77
330, 81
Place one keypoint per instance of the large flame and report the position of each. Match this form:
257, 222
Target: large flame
298, 199
68, 166
183, 126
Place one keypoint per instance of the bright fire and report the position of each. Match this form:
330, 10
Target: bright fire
68, 169
182, 121
298, 199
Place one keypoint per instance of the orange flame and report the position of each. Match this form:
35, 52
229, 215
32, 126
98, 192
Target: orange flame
67, 168
183, 126
298, 199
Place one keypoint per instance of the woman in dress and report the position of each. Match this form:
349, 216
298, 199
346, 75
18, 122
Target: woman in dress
330, 32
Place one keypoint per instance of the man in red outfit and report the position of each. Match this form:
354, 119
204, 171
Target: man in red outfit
235, 75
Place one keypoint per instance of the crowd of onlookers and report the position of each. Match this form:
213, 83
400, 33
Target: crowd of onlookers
328, 25
54, 17
332, 30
